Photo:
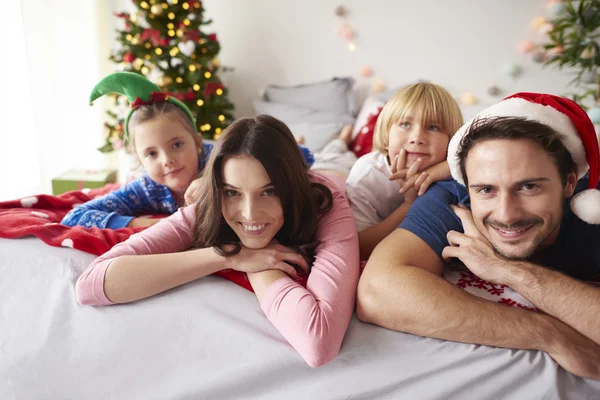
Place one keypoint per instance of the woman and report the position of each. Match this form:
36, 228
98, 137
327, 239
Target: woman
260, 212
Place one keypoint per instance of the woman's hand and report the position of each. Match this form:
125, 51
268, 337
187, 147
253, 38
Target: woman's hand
272, 257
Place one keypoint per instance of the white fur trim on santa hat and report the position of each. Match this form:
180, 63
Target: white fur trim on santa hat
586, 205
516, 107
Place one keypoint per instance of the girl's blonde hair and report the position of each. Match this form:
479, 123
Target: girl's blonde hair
433, 104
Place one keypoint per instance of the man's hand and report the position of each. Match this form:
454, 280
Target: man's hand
574, 352
474, 250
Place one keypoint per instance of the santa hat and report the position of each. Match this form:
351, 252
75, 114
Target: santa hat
577, 134
138, 90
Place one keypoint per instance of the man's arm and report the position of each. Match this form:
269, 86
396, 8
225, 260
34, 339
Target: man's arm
574, 302
402, 289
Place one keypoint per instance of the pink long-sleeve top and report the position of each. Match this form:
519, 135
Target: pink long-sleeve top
312, 319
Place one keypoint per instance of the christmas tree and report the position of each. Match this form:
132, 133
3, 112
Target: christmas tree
164, 41
573, 42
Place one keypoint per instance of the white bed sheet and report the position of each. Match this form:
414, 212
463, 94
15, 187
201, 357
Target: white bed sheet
210, 340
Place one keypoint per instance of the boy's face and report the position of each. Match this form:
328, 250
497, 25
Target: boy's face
516, 195
428, 141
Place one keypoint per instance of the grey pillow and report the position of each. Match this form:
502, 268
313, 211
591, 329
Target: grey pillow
293, 114
334, 95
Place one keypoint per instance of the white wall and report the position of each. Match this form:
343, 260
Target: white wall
57, 51
463, 45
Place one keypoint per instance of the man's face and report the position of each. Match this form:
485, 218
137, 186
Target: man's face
516, 195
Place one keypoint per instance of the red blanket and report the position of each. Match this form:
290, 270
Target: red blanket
41, 215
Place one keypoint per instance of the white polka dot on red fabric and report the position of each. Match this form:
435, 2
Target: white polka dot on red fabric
357, 147
28, 202
86, 190
67, 243
40, 214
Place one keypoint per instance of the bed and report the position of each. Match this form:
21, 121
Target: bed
209, 340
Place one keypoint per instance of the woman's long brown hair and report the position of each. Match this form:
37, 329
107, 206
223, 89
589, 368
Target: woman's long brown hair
269, 141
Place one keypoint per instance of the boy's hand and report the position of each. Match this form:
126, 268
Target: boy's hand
410, 178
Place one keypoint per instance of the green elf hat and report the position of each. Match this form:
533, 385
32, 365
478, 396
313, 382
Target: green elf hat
138, 90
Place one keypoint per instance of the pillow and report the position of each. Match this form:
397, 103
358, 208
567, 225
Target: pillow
334, 95
316, 134
370, 106
294, 114
363, 142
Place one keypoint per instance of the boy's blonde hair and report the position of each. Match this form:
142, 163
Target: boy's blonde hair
432, 102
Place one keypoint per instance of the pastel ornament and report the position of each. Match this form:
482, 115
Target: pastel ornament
493, 90
546, 28
378, 86
589, 77
366, 71
468, 99
556, 10
537, 22
594, 114
589, 52
341, 11
538, 57
555, 51
526, 46
346, 32
513, 70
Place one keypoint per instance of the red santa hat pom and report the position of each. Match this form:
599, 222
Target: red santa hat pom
568, 119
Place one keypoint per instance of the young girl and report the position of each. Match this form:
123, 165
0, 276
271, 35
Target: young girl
410, 144
162, 132
261, 212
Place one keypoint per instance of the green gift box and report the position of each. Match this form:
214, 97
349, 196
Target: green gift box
77, 179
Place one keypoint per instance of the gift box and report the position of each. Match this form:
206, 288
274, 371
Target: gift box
77, 179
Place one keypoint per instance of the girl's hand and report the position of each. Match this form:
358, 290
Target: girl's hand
193, 192
141, 222
272, 257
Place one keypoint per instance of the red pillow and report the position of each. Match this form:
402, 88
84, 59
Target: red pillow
363, 142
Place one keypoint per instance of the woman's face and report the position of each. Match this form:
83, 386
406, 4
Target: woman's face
250, 205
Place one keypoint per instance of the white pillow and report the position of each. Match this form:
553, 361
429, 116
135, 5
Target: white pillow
369, 107
316, 134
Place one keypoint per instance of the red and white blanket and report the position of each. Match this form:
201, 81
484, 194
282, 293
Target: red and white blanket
41, 215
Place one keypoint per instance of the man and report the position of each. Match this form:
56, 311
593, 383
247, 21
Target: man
520, 161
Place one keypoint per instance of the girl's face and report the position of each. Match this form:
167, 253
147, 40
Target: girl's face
428, 141
168, 152
250, 204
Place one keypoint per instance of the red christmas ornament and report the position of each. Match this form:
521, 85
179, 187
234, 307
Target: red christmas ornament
155, 97
212, 37
190, 95
212, 87
128, 57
